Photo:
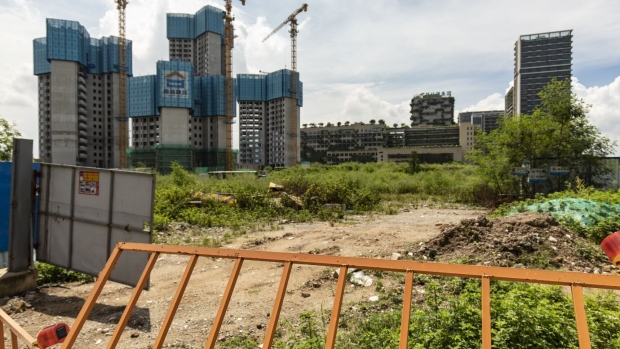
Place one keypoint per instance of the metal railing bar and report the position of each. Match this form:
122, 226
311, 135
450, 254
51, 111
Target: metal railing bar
174, 305
406, 317
277, 305
15, 330
132, 301
580, 317
486, 312
92, 299
444, 269
14, 344
333, 321
221, 312
2, 334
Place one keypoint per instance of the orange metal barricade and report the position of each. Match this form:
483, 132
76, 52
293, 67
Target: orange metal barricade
575, 280
17, 333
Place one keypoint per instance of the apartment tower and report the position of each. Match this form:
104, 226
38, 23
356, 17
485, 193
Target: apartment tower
265, 109
78, 95
179, 113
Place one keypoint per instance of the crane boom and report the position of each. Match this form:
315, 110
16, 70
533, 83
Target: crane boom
292, 19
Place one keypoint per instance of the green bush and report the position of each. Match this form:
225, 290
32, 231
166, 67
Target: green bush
523, 316
49, 274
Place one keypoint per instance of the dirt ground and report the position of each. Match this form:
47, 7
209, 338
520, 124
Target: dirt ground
309, 288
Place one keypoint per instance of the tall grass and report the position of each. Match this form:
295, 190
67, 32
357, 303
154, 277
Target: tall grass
359, 187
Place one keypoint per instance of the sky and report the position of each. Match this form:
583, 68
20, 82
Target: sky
358, 59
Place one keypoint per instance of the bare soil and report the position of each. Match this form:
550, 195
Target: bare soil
309, 288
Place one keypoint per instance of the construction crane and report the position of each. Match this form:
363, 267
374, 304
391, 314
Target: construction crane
122, 84
229, 37
292, 19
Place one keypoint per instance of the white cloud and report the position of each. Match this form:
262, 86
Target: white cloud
492, 102
360, 103
357, 103
605, 110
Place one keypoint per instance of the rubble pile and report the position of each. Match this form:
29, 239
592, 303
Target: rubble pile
524, 240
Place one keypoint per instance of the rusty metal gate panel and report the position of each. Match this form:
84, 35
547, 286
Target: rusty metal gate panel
573, 279
84, 212
576, 281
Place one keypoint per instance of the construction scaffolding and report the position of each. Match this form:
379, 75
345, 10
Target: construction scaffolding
191, 158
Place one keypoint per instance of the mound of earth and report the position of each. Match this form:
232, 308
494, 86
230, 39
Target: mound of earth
524, 240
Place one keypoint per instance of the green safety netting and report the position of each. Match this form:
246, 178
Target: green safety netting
587, 212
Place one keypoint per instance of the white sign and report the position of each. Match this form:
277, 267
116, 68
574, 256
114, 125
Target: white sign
537, 175
519, 171
559, 171
175, 84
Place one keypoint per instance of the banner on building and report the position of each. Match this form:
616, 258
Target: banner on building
176, 84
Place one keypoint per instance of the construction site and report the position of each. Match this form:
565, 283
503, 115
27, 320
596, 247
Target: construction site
189, 104
99, 255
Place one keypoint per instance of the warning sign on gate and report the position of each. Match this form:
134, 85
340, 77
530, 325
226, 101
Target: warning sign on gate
89, 183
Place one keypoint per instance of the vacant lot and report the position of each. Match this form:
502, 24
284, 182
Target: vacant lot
310, 288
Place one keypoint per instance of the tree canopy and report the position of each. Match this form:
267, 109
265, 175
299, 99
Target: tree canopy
558, 133
7, 133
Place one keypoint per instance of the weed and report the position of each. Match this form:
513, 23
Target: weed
49, 274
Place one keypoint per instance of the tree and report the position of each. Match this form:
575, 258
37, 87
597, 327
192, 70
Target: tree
339, 123
321, 124
329, 124
414, 163
395, 125
381, 122
347, 123
7, 133
373, 121
557, 133
305, 125
312, 124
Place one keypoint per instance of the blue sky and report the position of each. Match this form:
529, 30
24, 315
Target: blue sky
359, 60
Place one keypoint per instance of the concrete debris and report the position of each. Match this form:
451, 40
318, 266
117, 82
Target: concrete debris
359, 278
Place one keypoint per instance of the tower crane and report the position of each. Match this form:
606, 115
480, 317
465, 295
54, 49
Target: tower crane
122, 84
292, 20
229, 37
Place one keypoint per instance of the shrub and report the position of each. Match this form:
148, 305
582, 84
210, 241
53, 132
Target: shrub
50, 274
523, 316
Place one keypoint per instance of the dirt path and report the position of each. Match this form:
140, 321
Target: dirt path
309, 288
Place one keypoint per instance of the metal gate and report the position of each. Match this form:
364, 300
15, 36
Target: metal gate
84, 212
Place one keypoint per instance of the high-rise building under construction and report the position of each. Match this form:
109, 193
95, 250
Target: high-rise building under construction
265, 126
78, 78
179, 113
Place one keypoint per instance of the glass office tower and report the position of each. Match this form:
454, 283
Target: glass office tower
538, 59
